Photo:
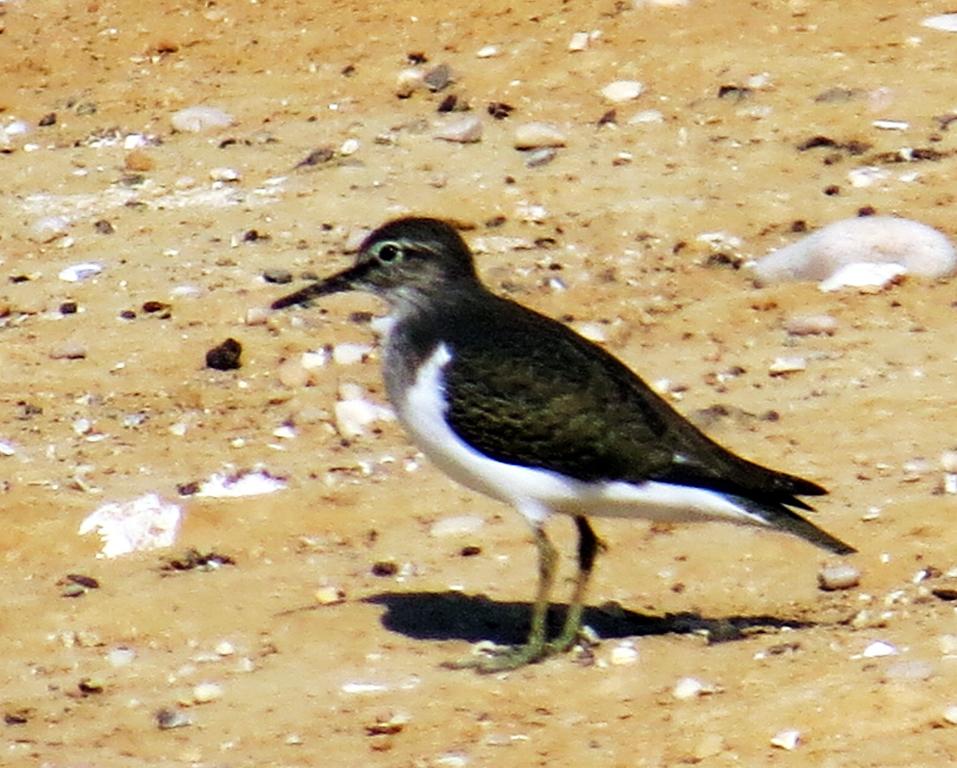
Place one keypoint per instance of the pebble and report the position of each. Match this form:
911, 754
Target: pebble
866, 176
224, 648
891, 125
138, 160
950, 712
224, 174
203, 693
591, 331
167, 719
536, 135
79, 272
624, 654
811, 325
646, 117
540, 157
348, 353
835, 577
579, 42
277, 275
225, 356
785, 365
257, 316
787, 739
945, 22
690, 688
199, 119
354, 413
917, 248
622, 90
408, 81
488, 51
467, 130
120, 657
878, 649
330, 595
458, 525
68, 350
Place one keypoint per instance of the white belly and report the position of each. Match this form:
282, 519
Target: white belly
537, 492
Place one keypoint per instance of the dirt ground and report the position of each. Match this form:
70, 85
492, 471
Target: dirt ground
114, 401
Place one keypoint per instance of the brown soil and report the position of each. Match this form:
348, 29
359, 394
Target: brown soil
301, 75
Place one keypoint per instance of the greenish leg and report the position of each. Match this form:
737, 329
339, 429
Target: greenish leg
588, 546
535, 649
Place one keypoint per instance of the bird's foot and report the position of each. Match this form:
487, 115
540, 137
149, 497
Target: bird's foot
489, 659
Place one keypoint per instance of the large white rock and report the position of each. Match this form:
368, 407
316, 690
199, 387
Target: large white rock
921, 250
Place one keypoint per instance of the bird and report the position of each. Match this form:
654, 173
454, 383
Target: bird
521, 408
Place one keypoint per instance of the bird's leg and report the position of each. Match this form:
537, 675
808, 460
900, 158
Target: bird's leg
588, 546
535, 649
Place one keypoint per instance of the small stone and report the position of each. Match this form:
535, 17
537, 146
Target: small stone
459, 525
257, 316
330, 595
224, 648
785, 365
225, 357
439, 78
79, 272
540, 157
224, 174
350, 353
624, 654
948, 461
138, 161
198, 119
103, 227
408, 82
788, 739
68, 350
90, 685
120, 657
349, 147
203, 693
622, 90
277, 275
945, 22
646, 117
467, 130
879, 649
950, 712
536, 135
690, 688
488, 51
579, 42
835, 577
811, 325
167, 719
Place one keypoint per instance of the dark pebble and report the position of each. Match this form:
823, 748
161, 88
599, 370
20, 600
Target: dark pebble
278, 276
103, 227
153, 307
128, 314
47, 120
225, 357
500, 110
317, 157
385, 568
84, 581
470, 551
68, 308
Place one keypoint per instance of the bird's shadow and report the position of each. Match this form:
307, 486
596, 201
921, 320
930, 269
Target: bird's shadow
456, 616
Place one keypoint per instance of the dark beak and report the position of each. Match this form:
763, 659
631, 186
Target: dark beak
346, 280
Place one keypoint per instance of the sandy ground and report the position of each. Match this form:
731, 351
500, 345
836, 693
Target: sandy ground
359, 682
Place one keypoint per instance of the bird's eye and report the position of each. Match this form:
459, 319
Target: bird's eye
389, 252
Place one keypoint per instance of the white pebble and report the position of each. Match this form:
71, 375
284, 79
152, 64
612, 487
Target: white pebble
349, 147
456, 526
466, 130
354, 414
79, 272
199, 119
535, 135
622, 90
408, 81
688, 688
624, 654
811, 325
950, 713
578, 42
224, 648
788, 739
121, 656
7, 448
349, 353
841, 576
948, 461
591, 331
945, 22
785, 365
920, 249
285, 432
224, 174
360, 688
646, 117
257, 316
488, 51
315, 359
879, 649
891, 125
203, 693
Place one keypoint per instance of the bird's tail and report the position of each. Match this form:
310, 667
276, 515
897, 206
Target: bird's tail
777, 515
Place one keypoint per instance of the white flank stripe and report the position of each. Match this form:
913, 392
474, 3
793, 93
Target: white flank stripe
536, 492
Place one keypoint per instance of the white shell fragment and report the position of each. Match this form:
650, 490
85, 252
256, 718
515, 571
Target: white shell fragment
921, 250
78, 272
622, 90
950, 713
199, 119
132, 526
535, 135
467, 130
865, 275
203, 693
891, 125
624, 654
878, 649
785, 365
945, 22
691, 688
840, 576
488, 51
787, 739
238, 484
579, 42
